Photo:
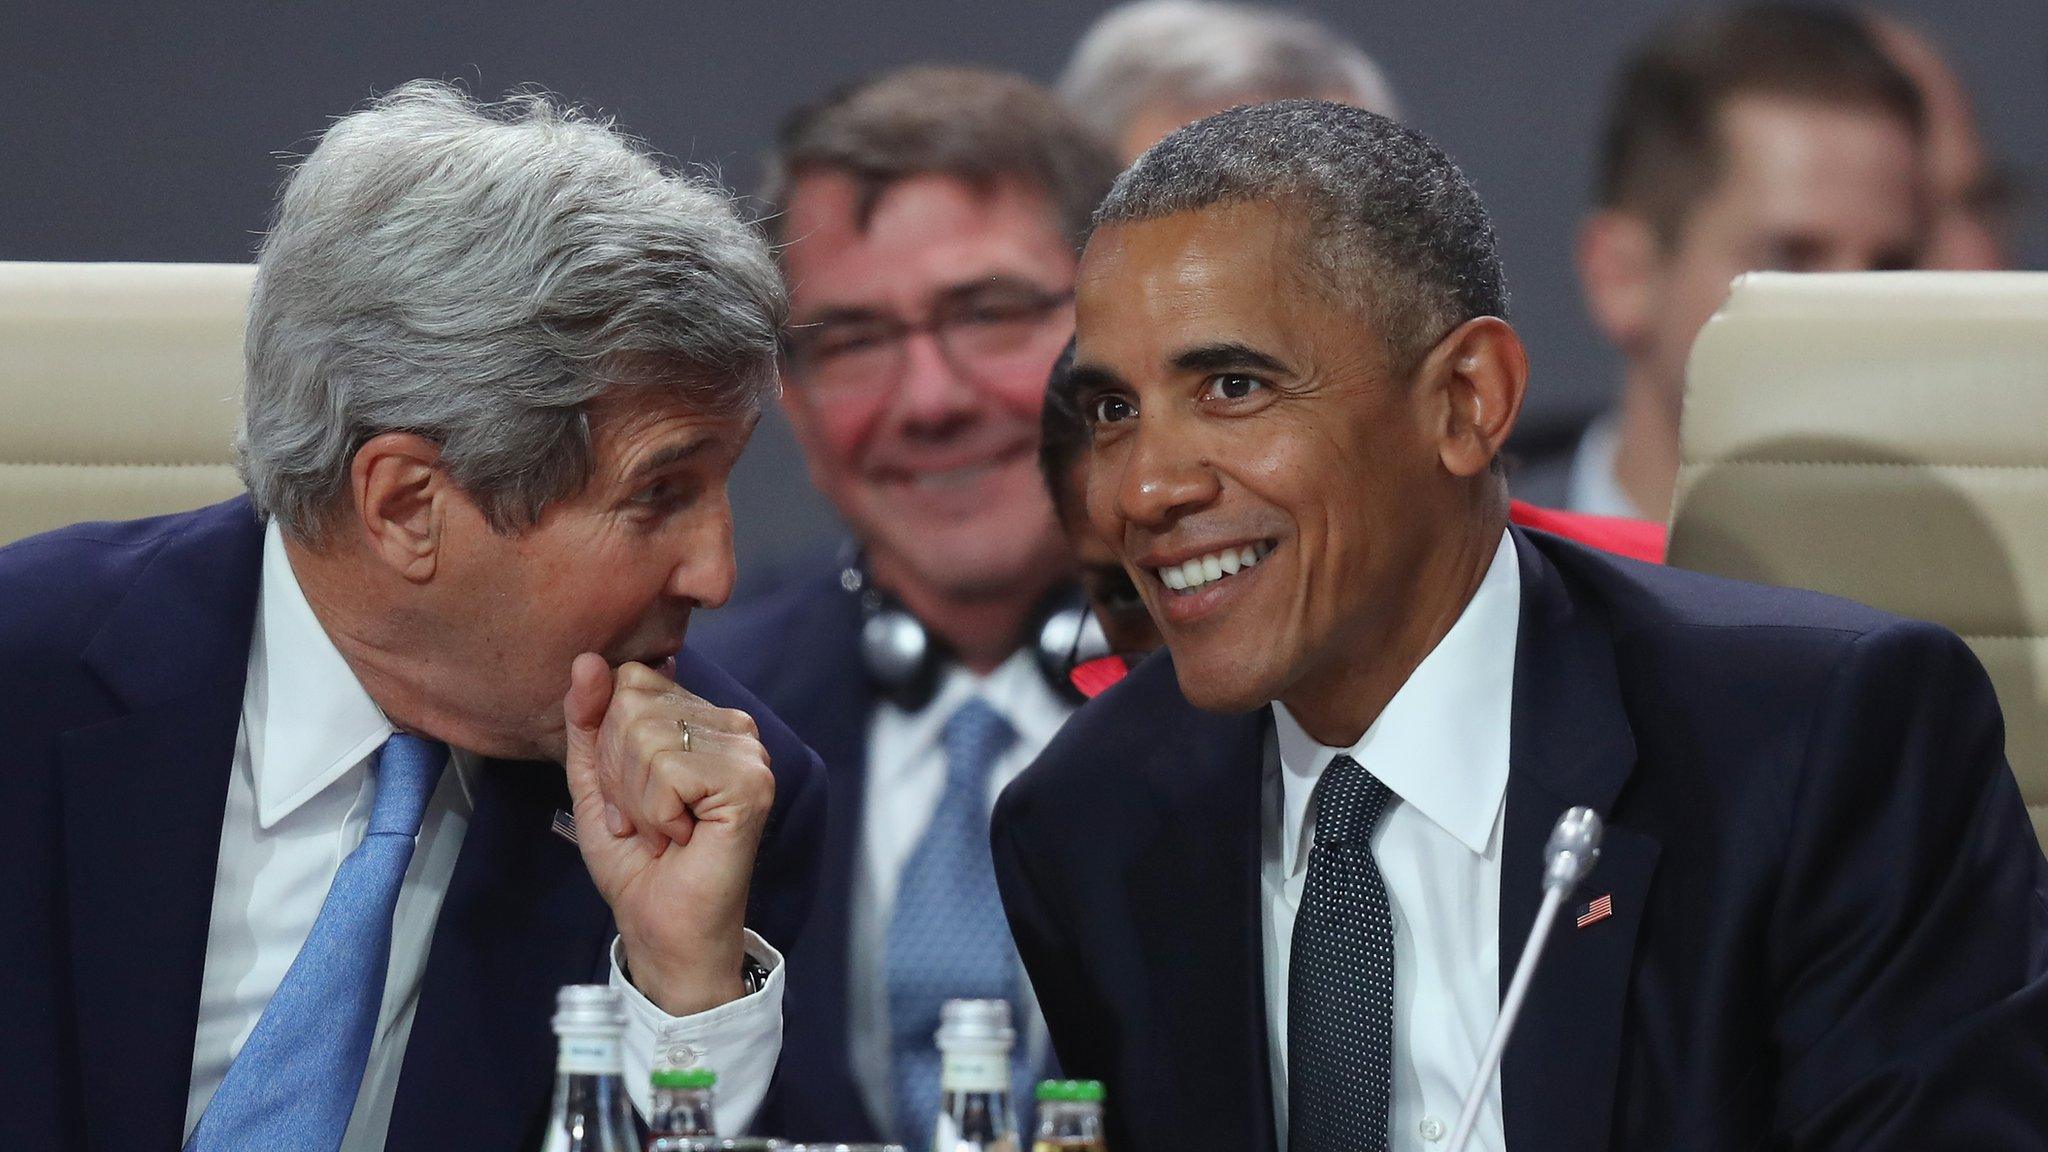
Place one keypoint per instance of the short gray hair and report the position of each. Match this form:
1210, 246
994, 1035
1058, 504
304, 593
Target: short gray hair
478, 274
1394, 228
1202, 53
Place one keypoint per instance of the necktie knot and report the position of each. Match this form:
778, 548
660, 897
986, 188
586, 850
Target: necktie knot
408, 769
975, 737
1349, 803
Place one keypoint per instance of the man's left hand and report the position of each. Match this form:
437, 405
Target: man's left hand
669, 819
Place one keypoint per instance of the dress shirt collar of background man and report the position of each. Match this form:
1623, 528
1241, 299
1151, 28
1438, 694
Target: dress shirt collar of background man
1764, 137
500, 363
1815, 919
929, 222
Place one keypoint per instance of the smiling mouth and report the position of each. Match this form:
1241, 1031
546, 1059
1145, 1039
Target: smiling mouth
1191, 576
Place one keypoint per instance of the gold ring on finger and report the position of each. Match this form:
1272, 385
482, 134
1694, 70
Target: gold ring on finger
683, 726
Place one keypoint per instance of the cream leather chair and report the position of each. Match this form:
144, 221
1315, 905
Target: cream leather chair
1885, 437
120, 385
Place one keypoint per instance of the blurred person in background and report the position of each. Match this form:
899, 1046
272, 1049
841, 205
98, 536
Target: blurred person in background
929, 222
283, 775
1973, 197
1764, 137
1147, 68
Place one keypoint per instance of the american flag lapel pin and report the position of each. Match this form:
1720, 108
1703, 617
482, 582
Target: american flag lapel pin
1599, 909
564, 826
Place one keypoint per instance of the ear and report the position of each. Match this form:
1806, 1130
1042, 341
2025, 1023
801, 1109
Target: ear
1618, 257
401, 501
1480, 372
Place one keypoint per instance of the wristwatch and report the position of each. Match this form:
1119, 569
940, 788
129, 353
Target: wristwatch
753, 973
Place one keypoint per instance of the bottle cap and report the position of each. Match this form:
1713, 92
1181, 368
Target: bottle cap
684, 1078
1071, 1091
976, 1023
586, 1007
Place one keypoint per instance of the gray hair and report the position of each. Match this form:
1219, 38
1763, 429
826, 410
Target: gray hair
1206, 54
1394, 228
478, 274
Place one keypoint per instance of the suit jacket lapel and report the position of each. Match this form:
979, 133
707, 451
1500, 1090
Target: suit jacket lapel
520, 920
1195, 906
1570, 745
144, 794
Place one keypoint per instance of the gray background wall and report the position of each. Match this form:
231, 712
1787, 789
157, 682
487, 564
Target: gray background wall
155, 131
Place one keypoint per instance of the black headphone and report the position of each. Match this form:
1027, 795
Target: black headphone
904, 660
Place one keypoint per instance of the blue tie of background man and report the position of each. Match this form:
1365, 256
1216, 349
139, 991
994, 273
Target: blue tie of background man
294, 1084
947, 935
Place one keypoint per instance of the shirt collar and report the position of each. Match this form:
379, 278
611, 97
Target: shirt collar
1441, 744
1015, 689
315, 719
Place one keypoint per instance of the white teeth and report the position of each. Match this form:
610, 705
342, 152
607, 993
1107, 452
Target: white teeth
1215, 566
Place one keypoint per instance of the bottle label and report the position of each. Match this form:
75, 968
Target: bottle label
974, 1072
591, 1056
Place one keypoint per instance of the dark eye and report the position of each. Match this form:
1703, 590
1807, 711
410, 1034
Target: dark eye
1230, 386
1111, 409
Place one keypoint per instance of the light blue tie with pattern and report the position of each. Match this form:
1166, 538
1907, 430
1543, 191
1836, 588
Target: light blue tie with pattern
294, 1084
947, 935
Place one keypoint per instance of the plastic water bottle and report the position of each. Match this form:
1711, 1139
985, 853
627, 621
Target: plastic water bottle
975, 1112
592, 1112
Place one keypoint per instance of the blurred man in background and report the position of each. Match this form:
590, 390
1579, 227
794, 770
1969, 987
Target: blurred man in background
1972, 198
930, 220
282, 775
1770, 136
1145, 69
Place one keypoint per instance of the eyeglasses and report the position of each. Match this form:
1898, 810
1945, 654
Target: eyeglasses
982, 331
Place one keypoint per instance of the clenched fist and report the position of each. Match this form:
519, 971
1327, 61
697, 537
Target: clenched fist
668, 822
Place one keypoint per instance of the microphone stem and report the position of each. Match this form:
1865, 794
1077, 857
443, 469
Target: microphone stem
1510, 1007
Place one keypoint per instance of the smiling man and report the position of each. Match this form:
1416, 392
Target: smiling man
282, 777
1269, 887
931, 220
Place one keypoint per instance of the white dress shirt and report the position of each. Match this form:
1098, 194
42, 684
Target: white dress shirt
299, 802
1441, 746
906, 774
1593, 487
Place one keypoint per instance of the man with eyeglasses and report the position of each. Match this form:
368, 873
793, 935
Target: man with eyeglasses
928, 223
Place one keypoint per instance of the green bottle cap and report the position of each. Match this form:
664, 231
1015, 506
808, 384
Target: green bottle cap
1071, 1091
684, 1078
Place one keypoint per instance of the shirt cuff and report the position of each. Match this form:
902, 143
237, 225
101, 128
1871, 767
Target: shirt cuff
739, 1040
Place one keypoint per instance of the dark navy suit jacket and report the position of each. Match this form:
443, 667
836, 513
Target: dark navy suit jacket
123, 653
1828, 917
796, 645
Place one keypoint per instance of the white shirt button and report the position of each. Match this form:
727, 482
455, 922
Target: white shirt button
1431, 1128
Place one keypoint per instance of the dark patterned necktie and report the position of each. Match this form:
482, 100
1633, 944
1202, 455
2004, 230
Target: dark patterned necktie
1340, 977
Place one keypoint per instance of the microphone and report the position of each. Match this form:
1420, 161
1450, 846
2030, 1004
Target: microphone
1573, 849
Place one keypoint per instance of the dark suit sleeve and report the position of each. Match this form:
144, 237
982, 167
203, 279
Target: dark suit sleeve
1056, 969
1907, 934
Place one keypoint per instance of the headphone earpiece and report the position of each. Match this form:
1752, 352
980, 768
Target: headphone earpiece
903, 659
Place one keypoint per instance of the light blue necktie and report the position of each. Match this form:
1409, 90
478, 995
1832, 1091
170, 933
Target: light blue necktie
295, 1082
947, 935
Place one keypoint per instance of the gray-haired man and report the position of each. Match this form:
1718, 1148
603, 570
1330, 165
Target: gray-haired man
1146, 68
282, 772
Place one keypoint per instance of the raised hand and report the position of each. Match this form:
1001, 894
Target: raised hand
669, 818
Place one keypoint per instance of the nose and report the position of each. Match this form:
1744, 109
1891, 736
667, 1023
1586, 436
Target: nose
1163, 478
705, 569
932, 394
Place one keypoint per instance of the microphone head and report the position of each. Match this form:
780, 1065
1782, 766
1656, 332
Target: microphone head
1573, 849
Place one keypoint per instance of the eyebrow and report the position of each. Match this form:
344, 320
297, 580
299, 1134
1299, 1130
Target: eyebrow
1225, 357
667, 458
1084, 381
950, 294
